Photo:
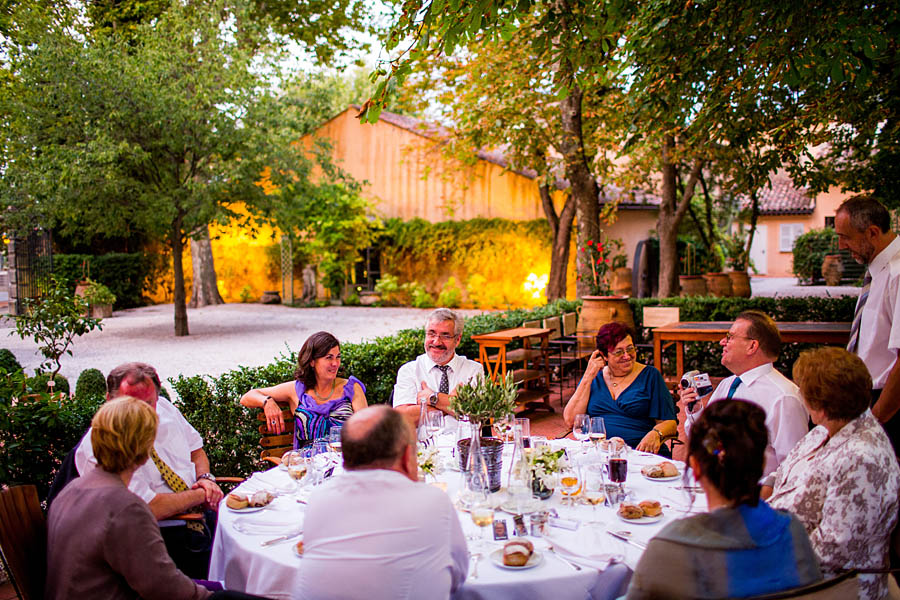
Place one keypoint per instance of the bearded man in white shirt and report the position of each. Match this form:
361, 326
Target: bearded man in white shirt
374, 531
749, 350
863, 226
432, 378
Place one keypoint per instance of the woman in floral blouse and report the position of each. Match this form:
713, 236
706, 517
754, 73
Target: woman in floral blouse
842, 478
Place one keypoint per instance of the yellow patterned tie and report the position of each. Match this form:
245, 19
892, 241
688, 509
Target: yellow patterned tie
175, 482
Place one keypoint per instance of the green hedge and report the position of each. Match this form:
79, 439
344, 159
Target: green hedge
705, 356
126, 275
37, 431
809, 253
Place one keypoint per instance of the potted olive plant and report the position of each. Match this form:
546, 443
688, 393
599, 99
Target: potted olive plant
483, 400
100, 299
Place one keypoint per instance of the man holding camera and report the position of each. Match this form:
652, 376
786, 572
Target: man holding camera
748, 350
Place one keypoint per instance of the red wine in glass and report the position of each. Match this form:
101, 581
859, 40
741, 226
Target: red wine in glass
618, 470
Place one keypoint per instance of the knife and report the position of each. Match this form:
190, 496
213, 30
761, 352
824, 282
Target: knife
281, 538
627, 539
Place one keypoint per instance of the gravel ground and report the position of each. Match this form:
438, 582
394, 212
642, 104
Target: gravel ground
222, 337
784, 286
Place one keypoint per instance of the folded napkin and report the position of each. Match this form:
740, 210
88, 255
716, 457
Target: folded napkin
579, 553
259, 525
272, 480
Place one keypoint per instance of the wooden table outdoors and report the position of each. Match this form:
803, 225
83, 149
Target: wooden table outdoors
830, 332
497, 364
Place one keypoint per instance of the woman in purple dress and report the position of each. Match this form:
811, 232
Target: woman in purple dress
318, 398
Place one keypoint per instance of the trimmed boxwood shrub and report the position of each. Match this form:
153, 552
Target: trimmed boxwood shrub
809, 252
91, 384
39, 383
8, 361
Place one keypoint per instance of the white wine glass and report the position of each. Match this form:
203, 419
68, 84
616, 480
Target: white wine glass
598, 432
581, 430
570, 483
482, 513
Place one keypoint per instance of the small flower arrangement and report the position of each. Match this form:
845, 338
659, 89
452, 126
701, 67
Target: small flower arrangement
545, 463
428, 460
604, 256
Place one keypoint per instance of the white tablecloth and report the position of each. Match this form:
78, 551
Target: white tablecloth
242, 563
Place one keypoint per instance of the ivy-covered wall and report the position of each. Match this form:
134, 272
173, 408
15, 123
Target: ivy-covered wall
495, 261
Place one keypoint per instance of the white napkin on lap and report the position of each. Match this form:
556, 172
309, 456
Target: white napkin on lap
578, 553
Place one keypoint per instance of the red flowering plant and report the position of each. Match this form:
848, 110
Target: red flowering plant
604, 256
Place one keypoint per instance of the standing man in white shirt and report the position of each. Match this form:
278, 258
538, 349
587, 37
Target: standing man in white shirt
432, 378
178, 450
749, 350
374, 531
863, 226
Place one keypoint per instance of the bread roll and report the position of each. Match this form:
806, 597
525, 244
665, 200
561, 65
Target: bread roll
260, 498
517, 552
299, 547
651, 508
668, 469
236, 501
630, 510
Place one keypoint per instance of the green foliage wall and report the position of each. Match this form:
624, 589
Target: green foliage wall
126, 275
491, 258
705, 356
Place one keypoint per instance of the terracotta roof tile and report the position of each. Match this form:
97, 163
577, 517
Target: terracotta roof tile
783, 198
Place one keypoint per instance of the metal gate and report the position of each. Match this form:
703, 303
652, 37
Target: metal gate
30, 267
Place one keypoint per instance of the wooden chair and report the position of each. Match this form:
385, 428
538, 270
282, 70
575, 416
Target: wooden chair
275, 445
23, 540
840, 587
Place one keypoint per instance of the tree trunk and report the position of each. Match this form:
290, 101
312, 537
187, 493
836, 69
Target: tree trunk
671, 212
754, 217
177, 244
561, 228
204, 290
584, 190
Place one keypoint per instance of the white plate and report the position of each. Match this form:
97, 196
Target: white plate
642, 520
294, 548
672, 478
529, 506
249, 509
533, 561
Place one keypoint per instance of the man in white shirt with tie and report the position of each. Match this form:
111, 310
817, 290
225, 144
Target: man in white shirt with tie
432, 378
863, 226
748, 350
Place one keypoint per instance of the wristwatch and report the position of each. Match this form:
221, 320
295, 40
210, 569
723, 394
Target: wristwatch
433, 400
209, 476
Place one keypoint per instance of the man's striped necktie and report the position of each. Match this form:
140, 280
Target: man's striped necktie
857, 316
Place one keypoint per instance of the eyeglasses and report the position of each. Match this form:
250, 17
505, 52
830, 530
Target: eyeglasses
444, 337
730, 336
621, 352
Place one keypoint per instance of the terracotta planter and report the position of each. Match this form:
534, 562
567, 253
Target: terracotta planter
832, 269
718, 284
622, 281
692, 285
740, 283
80, 288
101, 311
597, 311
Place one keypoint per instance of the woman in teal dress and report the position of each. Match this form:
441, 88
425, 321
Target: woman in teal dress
317, 397
631, 397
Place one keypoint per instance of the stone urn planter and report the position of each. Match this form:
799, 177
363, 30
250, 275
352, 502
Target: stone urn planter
597, 311
740, 283
270, 297
692, 285
832, 269
101, 311
718, 284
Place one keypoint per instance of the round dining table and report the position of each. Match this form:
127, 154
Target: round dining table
586, 562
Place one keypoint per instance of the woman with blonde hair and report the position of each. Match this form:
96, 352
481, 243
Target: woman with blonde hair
103, 541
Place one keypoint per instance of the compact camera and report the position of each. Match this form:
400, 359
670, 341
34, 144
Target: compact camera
700, 382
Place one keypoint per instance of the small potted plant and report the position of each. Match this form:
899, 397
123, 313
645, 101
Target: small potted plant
692, 284
545, 464
482, 401
100, 299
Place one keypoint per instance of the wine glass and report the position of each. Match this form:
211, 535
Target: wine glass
570, 482
297, 467
618, 468
504, 426
434, 423
594, 489
334, 438
582, 429
598, 432
482, 514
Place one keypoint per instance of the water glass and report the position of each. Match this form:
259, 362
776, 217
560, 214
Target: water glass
434, 423
334, 438
523, 425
